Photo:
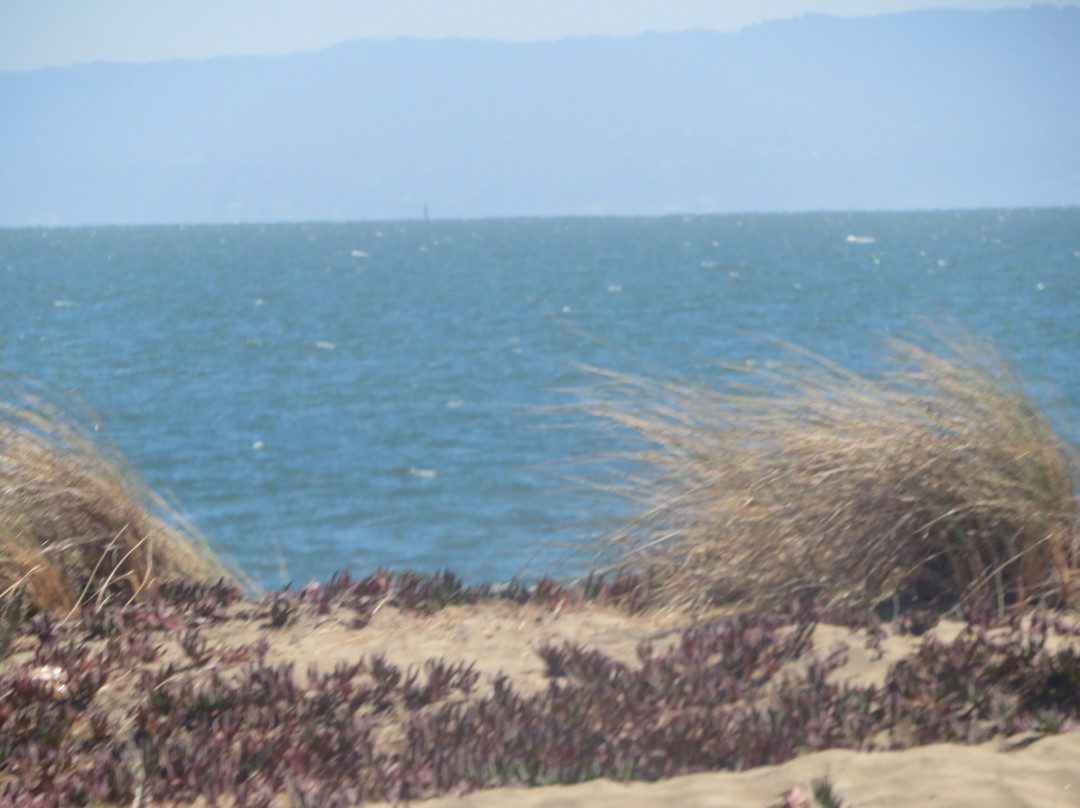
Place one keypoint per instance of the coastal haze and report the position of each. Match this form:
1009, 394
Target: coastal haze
317, 385
922, 110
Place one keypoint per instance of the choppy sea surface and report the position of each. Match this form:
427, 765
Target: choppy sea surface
314, 396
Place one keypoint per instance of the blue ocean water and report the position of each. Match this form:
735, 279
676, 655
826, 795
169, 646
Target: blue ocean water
315, 396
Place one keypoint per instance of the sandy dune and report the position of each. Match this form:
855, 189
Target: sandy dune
1044, 774
500, 637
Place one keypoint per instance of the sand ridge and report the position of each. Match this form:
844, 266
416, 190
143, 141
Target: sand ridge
502, 638
1044, 774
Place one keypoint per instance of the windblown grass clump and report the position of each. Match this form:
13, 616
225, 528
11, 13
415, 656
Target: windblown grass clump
937, 481
76, 522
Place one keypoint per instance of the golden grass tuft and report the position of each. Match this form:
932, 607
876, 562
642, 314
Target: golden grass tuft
938, 482
76, 523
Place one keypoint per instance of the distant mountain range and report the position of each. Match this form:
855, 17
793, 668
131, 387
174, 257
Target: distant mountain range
932, 109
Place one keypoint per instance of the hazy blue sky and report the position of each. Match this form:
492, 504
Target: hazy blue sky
41, 33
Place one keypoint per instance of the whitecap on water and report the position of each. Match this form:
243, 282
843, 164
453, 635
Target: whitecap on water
63, 304
359, 254
426, 474
860, 239
324, 345
614, 287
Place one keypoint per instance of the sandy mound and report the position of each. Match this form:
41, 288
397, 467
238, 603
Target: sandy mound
1045, 774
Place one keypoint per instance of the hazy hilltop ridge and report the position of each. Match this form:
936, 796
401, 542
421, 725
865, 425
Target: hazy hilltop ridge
920, 110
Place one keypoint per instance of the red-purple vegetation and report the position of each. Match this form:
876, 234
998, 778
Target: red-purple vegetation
731, 694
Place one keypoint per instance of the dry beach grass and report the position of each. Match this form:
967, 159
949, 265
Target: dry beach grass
936, 481
76, 523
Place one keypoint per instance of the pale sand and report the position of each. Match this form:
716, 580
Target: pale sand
1045, 774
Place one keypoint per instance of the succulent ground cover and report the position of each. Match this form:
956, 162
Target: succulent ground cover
146, 700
